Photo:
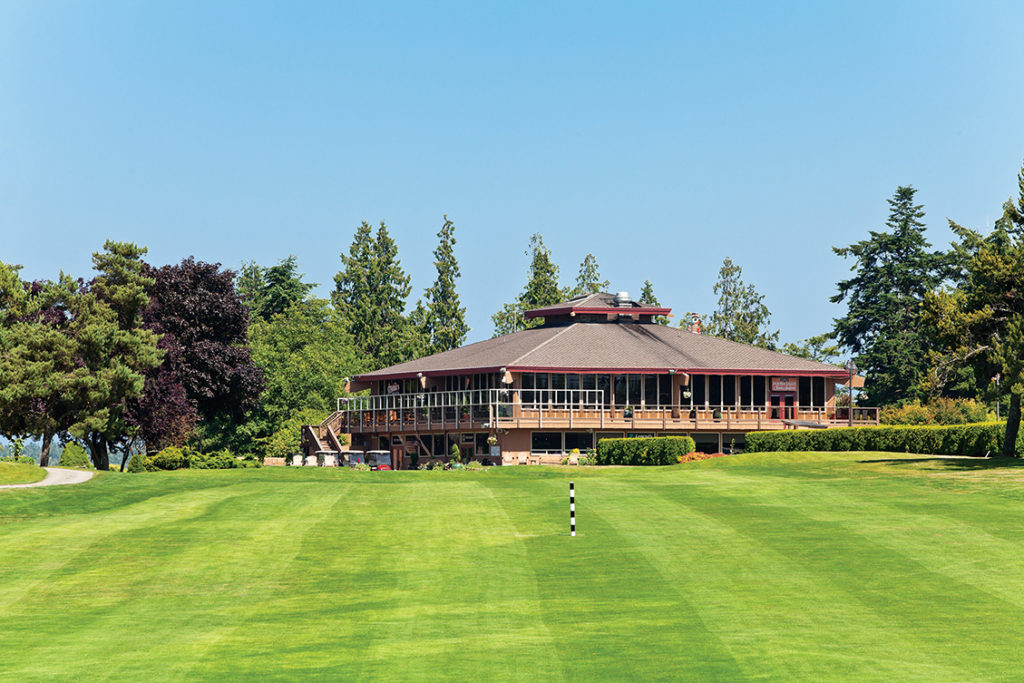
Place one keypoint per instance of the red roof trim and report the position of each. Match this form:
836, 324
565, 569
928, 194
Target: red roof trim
838, 372
544, 312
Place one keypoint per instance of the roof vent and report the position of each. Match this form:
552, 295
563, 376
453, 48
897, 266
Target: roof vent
622, 300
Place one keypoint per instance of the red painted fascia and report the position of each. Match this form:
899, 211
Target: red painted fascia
538, 313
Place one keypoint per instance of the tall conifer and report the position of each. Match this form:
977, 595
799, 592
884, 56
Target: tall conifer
444, 325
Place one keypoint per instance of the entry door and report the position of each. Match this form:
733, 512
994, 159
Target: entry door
789, 406
782, 406
397, 453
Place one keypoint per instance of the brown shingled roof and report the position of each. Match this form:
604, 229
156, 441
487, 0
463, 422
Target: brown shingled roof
607, 347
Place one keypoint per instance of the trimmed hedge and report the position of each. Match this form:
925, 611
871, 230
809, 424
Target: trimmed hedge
662, 450
970, 439
173, 458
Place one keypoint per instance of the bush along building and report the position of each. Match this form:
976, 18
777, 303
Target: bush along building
600, 366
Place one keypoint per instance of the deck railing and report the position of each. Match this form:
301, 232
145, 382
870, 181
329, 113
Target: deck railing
473, 409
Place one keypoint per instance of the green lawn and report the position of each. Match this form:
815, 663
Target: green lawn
788, 566
20, 473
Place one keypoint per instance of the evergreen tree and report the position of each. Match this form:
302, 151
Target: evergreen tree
282, 287
741, 315
250, 285
541, 290
894, 269
647, 298
112, 349
979, 325
444, 319
38, 372
371, 294
589, 281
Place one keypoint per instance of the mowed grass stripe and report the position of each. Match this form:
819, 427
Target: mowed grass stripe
917, 602
395, 585
150, 587
604, 602
779, 617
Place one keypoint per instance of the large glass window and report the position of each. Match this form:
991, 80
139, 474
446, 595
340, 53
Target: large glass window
745, 396
714, 390
540, 380
633, 397
528, 381
604, 385
620, 391
818, 392
699, 383
482, 447
580, 440
665, 390
546, 441
558, 390
759, 391
572, 383
803, 397
729, 391
650, 390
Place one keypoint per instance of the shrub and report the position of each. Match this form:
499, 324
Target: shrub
941, 411
456, 453
74, 455
136, 464
170, 458
362, 467
663, 450
968, 439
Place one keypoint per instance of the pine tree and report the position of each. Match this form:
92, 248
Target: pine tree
979, 325
281, 288
444, 319
589, 281
370, 293
741, 315
647, 298
894, 270
541, 290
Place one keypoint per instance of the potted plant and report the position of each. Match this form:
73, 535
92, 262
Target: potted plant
627, 412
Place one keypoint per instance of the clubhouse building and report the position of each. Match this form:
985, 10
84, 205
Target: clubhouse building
599, 366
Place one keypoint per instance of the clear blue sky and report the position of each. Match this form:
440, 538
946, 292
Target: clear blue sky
661, 137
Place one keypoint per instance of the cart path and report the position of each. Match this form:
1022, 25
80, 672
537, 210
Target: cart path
56, 476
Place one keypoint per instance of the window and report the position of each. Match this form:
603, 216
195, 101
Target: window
558, 390
650, 390
729, 391
604, 385
633, 397
665, 390
572, 383
699, 389
803, 397
546, 441
482, 447
528, 383
759, 392
540, 381
818, 392
714, 390
620, 390
580, 440
745, 396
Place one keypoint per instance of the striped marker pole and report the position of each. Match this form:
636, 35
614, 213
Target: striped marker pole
572, 509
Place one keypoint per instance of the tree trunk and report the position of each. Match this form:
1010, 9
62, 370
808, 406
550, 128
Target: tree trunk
98, 451
44, 454
1012, 425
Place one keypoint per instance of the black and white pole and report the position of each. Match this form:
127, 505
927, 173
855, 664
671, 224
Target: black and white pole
572, 509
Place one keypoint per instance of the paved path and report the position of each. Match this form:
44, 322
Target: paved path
54, 477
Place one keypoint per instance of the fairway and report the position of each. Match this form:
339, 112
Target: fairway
788, 566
